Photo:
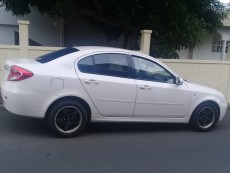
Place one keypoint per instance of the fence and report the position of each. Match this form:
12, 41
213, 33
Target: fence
215, 74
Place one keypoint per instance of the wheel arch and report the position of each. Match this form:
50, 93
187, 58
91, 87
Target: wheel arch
205, 102
65, 98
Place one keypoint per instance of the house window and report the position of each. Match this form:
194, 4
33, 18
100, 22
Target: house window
227, 44
217, 46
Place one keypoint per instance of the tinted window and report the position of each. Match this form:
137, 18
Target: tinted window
148, 70
111, 65
54, 55
86, 65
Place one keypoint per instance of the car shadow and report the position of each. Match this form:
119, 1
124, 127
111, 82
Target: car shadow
135, 127
36, 127
11, 124
29, 127
17, 125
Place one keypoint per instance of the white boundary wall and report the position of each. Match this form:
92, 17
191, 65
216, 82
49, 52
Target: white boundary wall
214, 74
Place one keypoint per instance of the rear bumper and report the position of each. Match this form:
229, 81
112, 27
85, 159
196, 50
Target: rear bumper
21, 99
24, 112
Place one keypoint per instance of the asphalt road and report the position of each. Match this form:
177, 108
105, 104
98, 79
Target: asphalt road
27, 145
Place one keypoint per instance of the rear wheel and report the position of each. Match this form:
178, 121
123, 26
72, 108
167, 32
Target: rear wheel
67, 118
204, 117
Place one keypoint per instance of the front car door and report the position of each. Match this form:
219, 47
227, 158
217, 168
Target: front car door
157, 94
106, 78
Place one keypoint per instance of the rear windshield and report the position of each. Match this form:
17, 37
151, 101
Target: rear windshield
56, 54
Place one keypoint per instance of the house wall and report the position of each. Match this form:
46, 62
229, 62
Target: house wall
79, 32
204, 50
43, 30
183, 54
7, 33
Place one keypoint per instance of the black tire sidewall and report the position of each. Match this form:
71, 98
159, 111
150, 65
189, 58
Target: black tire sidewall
56, 108
194, 118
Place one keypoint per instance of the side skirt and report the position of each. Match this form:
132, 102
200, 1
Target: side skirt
99, 118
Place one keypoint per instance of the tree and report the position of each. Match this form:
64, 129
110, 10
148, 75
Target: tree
175, 24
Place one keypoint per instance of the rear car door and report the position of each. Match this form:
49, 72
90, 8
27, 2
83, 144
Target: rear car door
106, 79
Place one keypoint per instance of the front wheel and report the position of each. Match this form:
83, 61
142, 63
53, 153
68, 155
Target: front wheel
204, 117
67, 118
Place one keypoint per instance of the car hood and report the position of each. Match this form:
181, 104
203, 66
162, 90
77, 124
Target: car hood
197, 88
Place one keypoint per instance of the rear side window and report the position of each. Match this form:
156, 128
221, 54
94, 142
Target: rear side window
86, 65
56, 54
111, 65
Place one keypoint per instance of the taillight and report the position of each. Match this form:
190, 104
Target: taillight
18, 74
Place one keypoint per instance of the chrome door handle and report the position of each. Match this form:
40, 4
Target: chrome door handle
91, 81
145, 87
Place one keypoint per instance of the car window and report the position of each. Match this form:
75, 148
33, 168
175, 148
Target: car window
86, 65
111, 65
56, 54
151, 71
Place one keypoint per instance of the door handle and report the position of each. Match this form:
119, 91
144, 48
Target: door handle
145, 87
91, 81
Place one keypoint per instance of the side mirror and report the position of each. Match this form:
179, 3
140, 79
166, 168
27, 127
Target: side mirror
179, 81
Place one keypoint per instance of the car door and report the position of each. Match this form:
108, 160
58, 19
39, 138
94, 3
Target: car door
157, 94
106, 78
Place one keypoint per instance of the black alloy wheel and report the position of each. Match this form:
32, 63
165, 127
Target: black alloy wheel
204, 117
67, 118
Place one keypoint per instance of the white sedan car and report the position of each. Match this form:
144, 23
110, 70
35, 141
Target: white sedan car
73, 86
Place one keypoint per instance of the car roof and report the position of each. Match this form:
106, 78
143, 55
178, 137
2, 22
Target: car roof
98, 48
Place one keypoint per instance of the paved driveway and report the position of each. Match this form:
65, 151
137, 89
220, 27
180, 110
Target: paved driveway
26, 145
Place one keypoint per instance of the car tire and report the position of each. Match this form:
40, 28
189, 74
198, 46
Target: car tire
204, 117
67, 118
